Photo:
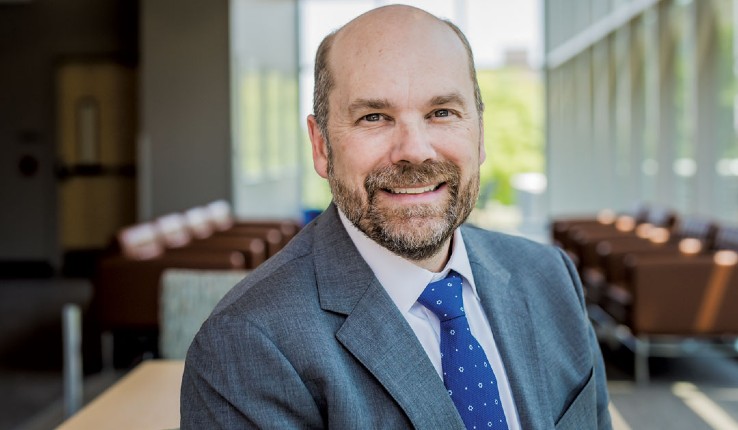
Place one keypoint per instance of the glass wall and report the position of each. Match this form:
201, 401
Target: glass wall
266, 132
641, 105
719, 77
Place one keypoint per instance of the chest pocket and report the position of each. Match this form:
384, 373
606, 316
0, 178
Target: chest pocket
582, 412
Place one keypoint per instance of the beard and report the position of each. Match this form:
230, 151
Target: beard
416, 232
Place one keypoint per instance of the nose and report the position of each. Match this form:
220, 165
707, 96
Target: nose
412, 144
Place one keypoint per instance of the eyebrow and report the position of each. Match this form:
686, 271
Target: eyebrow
446, 99
371, 104
357, 105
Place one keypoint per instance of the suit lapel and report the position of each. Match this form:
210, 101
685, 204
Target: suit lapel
513, 331
380, 338
375, 331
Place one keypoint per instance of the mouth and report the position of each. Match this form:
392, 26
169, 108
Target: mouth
414, 190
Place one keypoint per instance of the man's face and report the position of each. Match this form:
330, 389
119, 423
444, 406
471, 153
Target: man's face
404, 137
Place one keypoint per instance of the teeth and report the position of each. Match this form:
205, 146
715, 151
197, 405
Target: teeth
412, 190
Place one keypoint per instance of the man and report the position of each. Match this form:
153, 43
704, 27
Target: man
342, 329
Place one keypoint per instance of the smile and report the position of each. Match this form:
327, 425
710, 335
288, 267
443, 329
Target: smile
417, 190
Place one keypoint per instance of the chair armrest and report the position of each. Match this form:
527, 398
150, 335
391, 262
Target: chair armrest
126, 292
671, 295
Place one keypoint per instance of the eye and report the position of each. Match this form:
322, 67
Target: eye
441, 113
372, 117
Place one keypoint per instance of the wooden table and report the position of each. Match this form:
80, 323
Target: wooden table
146, 398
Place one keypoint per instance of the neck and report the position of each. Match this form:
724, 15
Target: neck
437, 262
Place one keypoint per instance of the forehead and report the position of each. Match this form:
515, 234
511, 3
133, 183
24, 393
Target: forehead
409, 54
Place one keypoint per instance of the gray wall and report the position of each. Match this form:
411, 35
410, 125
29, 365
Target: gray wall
184, 145
34, 36
181, 48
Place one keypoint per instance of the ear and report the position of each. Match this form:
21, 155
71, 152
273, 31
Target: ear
320, 148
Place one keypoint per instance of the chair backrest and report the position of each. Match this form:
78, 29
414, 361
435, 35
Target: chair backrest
188, 296
173, 230
727, 238
140, 242
221, 215
198, 221
661, 217
640, 211
696, 228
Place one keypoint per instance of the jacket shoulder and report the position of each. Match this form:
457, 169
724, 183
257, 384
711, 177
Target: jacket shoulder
291, 266
507, 246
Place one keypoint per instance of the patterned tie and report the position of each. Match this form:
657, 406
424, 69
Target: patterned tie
467, 373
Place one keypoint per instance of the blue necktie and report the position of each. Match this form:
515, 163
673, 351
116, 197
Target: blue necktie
467, 373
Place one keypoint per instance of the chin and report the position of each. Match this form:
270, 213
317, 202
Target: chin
415, 239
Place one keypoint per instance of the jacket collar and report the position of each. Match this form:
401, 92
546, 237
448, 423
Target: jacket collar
375, 331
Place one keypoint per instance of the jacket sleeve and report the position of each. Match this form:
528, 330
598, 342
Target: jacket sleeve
236, 378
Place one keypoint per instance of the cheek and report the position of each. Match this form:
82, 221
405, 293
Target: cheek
353, 163
460, 143
462, 154
349, 170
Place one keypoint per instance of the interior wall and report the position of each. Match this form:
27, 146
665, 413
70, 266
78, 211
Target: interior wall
34, 36
184, 143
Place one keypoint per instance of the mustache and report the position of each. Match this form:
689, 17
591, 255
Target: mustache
404, 175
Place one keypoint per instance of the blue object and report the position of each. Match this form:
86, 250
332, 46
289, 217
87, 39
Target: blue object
309, 215
467, 373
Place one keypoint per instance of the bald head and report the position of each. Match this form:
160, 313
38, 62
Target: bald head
403, 34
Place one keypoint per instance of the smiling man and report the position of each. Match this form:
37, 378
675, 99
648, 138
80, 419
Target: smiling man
386, 312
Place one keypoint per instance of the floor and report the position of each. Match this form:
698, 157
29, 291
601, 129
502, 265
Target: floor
31, 351
684, 393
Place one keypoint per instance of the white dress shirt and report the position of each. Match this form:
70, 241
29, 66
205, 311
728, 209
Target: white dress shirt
405, 281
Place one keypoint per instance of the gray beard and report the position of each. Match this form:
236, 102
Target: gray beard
417, 232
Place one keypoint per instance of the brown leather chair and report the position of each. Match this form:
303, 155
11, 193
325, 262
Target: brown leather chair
220, 216
665, 299
607, 266
562, 227
665, 272
584, 240
126, 282
127, 291
686, 296
215, 219
182, 232
272, 236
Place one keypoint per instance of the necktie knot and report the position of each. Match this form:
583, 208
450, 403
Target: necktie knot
444, 298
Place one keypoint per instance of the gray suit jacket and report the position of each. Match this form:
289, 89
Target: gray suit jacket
310, 339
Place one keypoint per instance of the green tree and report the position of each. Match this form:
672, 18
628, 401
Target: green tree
513, 128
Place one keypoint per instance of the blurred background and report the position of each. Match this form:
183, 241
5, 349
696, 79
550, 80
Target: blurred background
125, 124
120, 111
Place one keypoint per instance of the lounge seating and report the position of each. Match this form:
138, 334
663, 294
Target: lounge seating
127, 279
563, 227
660, 292
187, 298
607, 266
664, 292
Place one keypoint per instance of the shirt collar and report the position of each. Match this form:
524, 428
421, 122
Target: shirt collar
403, 280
